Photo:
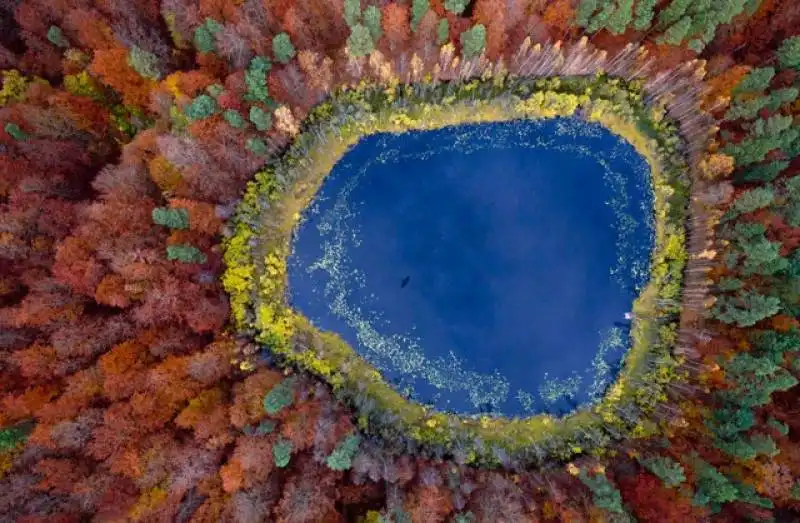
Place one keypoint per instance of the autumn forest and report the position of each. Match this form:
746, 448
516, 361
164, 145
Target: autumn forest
158, 163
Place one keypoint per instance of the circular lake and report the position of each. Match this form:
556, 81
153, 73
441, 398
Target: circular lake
482, 268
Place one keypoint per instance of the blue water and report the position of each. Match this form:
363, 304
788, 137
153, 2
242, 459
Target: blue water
481, 267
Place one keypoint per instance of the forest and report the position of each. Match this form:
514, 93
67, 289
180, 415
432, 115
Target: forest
154, 155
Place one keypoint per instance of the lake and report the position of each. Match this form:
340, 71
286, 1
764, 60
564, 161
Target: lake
482, 268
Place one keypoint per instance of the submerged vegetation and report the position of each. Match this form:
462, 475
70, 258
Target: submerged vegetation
156, 156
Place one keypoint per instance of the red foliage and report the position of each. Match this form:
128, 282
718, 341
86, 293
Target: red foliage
652, 501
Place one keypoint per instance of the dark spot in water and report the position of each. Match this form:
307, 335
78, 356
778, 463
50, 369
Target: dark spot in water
405, 281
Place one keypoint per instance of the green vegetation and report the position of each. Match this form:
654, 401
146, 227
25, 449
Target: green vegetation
789, 53
56, 37
279, 396
669, 470
172, 218
255, 78
456, 6
359, 43
204, 39
604, 494
442, 31
234, 118
256, 275
260, 118
185, 254
14, 437
418, 10
282, 48
282, 452
201, 107
15, 131
473, 41
144, 62
342, 456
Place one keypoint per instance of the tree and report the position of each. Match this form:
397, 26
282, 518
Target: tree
359, 43
604, 494
473, 41
256, 146
260, 118
644, 14
621, 19
756, 81
763, 257
201, 107
753, 200
282, 48
145, 63
255, 79
56, 36
279, 396
666, 468
396, 24
456, 7
765, 172
442, 32
584, 13
715, 166
713, 488
418, 10
15, 131
677, 32
234, 118
172, 218
746, 308
429, 503
342, 456
789, 53
185, 254
352, 12
282, 452
650, 501
204, 36
372, 21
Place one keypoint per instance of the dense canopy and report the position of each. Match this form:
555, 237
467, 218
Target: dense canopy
151, 369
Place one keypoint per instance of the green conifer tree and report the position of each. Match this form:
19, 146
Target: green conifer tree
359, 43
279, 396
342, 456
172, 218
473, 41
418, 10
789, 53
282, 452
282, 48
372, 21
185, 254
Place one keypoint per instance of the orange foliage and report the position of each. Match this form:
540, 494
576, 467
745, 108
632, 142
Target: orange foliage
112, 66
491, 13
558, 15
431, 504
202, 216
36, 361
720, 87
247, 404
16, 407
396, 26
207, 416
112, 292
